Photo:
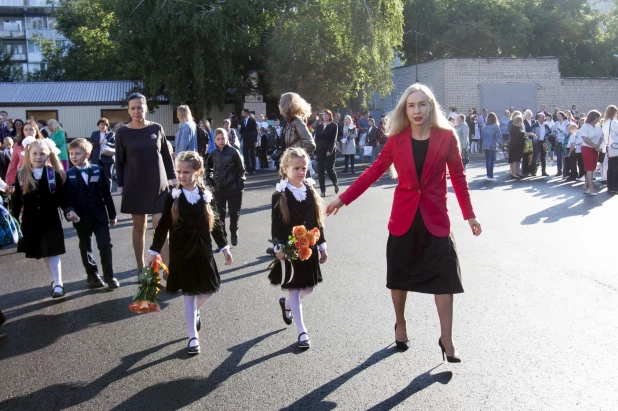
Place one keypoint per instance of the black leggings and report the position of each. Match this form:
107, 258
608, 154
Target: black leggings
326, 164
350, 158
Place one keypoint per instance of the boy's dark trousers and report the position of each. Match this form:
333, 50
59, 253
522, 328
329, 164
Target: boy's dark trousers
104, 244
233, 200
577, 161
566, 169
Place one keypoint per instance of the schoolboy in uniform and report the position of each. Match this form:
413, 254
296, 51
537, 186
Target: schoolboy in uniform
88, 197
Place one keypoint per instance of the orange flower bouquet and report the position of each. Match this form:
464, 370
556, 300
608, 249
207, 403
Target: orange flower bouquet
146, 298
298, 247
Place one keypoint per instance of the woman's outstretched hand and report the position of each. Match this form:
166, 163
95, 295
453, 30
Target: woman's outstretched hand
475, 226
334, 207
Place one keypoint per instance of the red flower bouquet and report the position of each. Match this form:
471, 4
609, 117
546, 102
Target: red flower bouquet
146, 298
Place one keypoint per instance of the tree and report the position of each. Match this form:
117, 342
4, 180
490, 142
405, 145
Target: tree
91, 53
568, 29
196, 52
8, 70
330, 50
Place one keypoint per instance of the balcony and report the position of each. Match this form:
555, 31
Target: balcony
47, 34
19, 57
12, 34
13, 3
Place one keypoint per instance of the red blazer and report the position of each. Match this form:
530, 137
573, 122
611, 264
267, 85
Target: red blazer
430, 194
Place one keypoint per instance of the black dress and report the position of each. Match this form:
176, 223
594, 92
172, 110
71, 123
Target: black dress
418, 260
143, 166
305, 273
41, 225
192, 265
516, 145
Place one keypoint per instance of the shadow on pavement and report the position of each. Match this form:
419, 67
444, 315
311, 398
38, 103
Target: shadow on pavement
418, 384
176, 394
315, 399
64, 396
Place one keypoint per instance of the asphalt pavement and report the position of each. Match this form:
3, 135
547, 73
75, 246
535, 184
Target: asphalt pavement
536, 327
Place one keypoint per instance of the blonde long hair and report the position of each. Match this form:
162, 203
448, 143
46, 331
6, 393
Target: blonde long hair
184, 113
27, 180
286, 159
397, 120
197, 164
292, 105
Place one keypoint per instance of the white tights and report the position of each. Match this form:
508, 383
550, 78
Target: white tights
193, 303
293, 303
54, 268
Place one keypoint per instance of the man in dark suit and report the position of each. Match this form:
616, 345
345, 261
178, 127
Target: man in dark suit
5, 159
90, 207
99, 138
249, 135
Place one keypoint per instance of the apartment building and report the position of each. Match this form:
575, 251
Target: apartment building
21, 22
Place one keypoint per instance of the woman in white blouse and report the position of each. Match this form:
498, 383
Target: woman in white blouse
610, 135
592, 137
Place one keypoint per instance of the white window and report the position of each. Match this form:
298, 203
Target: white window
34, 47
35, 23
51, 22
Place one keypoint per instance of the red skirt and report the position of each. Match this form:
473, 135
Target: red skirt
590, 157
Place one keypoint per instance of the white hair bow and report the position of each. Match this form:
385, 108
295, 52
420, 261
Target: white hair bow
310, 181
52, 146
281, 186
207, 196
176, 193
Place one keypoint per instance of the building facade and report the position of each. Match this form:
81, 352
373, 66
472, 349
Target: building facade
21, 23
501, 83
78, 105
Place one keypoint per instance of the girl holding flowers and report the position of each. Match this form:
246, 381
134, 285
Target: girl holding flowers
190, 221
38, 188
297, 213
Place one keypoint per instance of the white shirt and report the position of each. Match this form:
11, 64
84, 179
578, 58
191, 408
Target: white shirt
38, 173
578, 142
610, 133
593, 133
84, 173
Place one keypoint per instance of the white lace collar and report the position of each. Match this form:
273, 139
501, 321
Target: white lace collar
192, 196
38, 173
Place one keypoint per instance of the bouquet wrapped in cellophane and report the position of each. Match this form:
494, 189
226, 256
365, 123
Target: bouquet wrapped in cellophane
146, 298
298, 247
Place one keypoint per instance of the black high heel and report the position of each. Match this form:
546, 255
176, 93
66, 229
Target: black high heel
401, 345
449, 358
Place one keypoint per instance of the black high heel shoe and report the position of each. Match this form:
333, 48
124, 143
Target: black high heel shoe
401, 345
449, 358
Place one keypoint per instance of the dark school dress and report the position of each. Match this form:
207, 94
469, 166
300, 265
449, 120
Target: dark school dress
41, 225
192, 267
298, 274
418, 260
143, 166
516, 145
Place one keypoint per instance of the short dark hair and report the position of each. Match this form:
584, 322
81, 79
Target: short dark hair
103, 120
246, 110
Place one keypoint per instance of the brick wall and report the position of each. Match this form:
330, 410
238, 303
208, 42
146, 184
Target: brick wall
457, 82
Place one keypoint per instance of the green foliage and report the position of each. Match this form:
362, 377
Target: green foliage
568, 29
330, 50
8, 71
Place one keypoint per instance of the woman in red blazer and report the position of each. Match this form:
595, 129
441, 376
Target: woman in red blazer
421, 253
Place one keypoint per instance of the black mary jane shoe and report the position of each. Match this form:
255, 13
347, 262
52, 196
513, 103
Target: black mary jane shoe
286, 320
57, 294
112, 283
401, 345
94, 281
198, 324
193, 350
449, 358
304, 345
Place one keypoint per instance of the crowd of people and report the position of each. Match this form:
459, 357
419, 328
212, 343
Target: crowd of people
579, 144
190, 188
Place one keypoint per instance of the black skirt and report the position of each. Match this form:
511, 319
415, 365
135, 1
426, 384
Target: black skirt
293, 275
421, 262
